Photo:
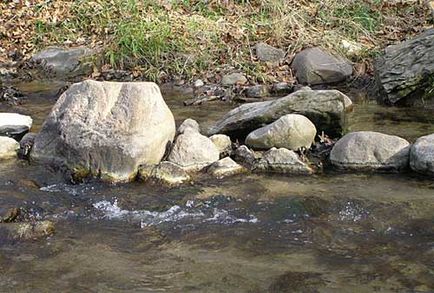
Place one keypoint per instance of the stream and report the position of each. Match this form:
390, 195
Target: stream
331, 232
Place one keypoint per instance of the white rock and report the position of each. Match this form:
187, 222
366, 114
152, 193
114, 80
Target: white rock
15, 125
8, 147
225, 167
222, 142
422, 155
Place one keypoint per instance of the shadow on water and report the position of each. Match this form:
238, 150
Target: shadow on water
252, 233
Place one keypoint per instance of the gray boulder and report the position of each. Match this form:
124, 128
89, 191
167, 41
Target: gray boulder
314, 66
193, 151
65, 62
106, 129
325, 108
422, 155
267, 53
405, 72
167, 173
8, 148
225, 167
14, 125
233, 79
282, 161
292, 131
367, 150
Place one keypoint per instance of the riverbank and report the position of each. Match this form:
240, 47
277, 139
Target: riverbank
183, 41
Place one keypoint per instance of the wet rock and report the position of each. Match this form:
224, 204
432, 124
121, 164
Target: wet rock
367, 150
106, 129
26, 145
64, 62
422, 155
233, 79
257, 91
167, 173
281, 88
193, 151
314, 66
325, 108
267, 53
292, 131
244, 156
36, 230
189, 125
282, 161
11, 95
11, 215
405, 72
225, 167
8, 148
223, 143
14, 125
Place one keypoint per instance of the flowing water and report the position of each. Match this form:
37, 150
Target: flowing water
257, 233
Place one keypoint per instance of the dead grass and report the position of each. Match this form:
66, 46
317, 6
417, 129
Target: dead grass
165, 38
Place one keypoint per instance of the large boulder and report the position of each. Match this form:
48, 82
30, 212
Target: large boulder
367, 150
422, 155
106, 129
282, 161
8, 147
314, 66
325, 108
64, 62
14, 125
193, 151
405, 72
292, 131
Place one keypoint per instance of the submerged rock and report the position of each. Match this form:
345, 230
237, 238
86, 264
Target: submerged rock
422, 155
405, 73
193, 151
367, 150
106, 129
314, 66
234, 79
167, 173
225, 167
292, 131
14, 125
36, 230
8, 148
325, 108
223, 143
267, 53
64, 62
282, 161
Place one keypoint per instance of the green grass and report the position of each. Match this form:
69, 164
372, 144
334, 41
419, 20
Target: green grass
190, 37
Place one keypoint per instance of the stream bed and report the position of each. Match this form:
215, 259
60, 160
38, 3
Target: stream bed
253, 233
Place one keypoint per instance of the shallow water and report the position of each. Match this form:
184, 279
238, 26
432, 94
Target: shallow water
256, 233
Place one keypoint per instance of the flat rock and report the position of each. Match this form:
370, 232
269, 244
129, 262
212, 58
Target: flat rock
315, 66
106, 129
367, 150
193, 151
14, 125
267, 53
64, 62
233, 79
291, 131
223, 143
325, 108
225, 167
8, 148
167, 173
404, 73
282, 161
422, 155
